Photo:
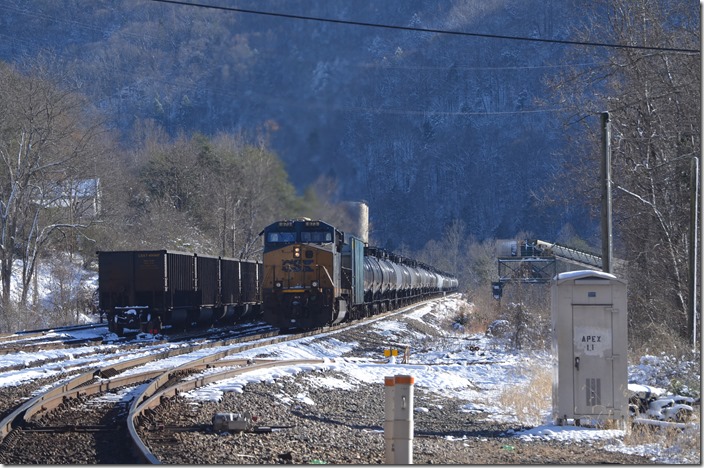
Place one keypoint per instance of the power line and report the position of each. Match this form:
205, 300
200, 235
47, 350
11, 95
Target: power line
76, 24
424, 30
189, 85
72, 23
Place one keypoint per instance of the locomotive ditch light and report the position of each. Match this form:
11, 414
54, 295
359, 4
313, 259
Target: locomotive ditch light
314, 284
278, 284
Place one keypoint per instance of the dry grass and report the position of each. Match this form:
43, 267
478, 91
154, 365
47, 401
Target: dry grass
668, 439
530, 401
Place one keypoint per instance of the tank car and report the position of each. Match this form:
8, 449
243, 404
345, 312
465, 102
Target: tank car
155, 289
316, 275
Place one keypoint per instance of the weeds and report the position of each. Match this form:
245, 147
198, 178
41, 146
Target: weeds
530, 400
482, 311
463, 315
667, 439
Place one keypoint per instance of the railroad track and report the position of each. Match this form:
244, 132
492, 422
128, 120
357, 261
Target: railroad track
28, 334
49, 411
84, 348
39, 344
143, 427
48, 339
93, 427
114, 403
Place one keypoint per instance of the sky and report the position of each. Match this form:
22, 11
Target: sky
479, 376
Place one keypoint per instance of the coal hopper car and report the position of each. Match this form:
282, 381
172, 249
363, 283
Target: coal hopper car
151, 290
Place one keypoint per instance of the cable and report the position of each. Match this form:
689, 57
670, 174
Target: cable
435, 31
76, 24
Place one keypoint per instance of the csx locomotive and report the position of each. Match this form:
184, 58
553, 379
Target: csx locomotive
317, 275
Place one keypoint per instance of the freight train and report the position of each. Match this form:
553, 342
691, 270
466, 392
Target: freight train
316, 275
155, 289
313, 275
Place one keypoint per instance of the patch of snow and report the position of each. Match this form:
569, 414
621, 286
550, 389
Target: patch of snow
449, 368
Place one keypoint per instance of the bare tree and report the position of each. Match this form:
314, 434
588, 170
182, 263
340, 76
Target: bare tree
266, 194
652, 97
44, 142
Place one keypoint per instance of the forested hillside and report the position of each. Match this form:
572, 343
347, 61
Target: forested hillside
427, 128
459, 122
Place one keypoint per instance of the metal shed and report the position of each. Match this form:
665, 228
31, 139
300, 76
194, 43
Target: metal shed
590, 343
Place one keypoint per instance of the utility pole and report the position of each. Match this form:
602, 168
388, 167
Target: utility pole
607, 247
693, 239
701, 168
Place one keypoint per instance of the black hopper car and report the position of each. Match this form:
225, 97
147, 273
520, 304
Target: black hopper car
316, 275
155, 289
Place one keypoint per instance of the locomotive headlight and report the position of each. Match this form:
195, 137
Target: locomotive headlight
314, 284
297, 252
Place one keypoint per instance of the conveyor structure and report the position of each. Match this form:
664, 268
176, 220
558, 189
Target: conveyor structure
535, 261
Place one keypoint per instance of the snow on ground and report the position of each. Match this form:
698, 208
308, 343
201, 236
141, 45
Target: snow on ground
452, 370
478, 376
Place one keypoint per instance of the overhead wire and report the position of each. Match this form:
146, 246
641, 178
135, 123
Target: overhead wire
141, 36
428, 30
404, 111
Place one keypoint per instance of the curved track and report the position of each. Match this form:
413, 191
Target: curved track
46, 339
153, 378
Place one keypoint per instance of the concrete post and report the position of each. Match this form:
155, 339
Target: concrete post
403, 420
389, 419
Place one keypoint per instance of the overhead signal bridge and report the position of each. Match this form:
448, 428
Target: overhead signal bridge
535, 261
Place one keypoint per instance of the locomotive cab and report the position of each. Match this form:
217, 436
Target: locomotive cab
303, 284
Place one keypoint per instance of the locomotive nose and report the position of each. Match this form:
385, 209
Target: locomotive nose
297, 306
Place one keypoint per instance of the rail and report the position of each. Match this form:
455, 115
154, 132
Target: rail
48, 400
152, 398
157, 383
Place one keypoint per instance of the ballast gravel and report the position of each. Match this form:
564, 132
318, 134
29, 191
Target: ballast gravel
346, 427
315, 424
